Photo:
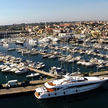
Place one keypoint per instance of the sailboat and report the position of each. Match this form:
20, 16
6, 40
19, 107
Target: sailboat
4, 42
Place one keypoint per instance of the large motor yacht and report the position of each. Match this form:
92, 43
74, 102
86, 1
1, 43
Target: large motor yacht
68, 85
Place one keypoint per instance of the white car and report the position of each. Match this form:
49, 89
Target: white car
12, 83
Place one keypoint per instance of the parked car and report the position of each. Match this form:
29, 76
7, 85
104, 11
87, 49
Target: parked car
12, 83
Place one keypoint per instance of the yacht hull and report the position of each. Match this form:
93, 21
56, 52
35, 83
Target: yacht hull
71, 91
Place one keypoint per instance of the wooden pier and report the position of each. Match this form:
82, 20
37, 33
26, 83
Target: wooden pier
43, 72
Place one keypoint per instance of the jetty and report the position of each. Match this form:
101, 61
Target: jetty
102, 73
43, 72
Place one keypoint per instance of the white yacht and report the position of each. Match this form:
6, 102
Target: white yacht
52, 57
40, 65
19, 42
21, 70
6, 69
67, 86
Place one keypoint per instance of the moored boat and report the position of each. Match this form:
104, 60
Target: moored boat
67, 86
32, 75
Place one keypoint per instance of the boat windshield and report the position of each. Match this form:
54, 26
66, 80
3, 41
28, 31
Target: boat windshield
50, 89
50, 83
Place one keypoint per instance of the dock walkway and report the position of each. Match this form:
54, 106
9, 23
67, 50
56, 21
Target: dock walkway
102, 73
43, 72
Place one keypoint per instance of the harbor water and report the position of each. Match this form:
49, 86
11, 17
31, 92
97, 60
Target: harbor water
95, 99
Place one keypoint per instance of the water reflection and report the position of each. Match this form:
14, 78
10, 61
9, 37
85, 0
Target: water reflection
80, 100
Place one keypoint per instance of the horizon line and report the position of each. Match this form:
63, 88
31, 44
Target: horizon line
51, 22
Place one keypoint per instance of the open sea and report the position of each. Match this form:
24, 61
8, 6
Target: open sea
94, 99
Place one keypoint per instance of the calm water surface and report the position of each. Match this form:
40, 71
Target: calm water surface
94, 99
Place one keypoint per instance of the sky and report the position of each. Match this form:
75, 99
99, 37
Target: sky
33, 11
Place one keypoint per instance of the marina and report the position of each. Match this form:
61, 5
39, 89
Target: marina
65, 55
54, 54
30, 62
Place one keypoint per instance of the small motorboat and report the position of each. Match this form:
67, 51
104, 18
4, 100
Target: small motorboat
32, 75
